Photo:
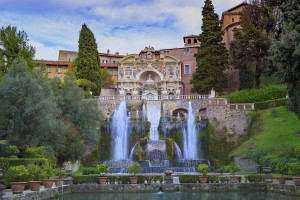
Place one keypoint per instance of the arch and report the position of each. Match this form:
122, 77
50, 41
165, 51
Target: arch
181, 111
161, 76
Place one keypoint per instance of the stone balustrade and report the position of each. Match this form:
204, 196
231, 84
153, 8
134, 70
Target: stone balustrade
152, 97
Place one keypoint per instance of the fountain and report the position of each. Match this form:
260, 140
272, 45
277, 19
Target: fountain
119, 127
153, 115
144, 112
190, 138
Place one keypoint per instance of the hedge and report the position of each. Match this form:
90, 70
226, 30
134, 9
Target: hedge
255, 178
269, 104
258, 95
189, 178
5, 163
80, 179
89, 170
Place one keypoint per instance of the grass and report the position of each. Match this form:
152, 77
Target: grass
279, 128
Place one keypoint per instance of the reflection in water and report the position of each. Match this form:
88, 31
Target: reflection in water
178, 196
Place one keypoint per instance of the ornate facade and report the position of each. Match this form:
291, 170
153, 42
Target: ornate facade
149, 73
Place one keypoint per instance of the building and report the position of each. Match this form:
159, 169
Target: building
231, 19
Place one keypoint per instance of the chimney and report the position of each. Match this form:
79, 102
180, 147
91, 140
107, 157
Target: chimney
108, 51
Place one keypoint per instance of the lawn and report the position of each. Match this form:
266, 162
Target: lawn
279, 128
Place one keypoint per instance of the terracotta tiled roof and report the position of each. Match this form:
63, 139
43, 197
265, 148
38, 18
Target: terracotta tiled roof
53, 62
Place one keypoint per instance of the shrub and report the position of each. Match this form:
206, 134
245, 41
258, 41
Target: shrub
213, 179
5, 163
85, 179
203, 168
255, 178
282, 168
102, 169
270, 104
47, 172
89, 170
12, 150
224, 179
16, 174
188, 178
134, 168
233, 168
34, 172
60, 173
293, 169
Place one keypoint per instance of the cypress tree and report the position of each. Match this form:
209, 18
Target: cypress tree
286, 51
88, 62
212, 55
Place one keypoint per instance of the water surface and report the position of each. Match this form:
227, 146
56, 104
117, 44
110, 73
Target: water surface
179, 196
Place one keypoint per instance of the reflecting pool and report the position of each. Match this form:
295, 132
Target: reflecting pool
179, 196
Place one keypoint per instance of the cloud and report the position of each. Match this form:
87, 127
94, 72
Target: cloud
126, 26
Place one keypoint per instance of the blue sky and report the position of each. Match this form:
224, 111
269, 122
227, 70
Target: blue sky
124, 26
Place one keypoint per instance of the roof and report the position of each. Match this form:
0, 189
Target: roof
53, 62
101, 54
237, 6
190, 36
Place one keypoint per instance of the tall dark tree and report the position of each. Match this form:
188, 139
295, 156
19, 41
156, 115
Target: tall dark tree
88, 62
286, 50
249, 49
14, 45
212, 55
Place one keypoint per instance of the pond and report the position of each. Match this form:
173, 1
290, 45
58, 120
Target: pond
179, 196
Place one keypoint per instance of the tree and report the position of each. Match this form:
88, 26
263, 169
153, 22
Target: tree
212, 55
106, 80
88, 63
249, 49
28, 107
286, 51
14, 45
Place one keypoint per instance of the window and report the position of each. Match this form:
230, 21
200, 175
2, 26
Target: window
110, 71
59, 70
186, 51
187, 69
49, 69
166, 52
114, 62
195, 41
65, 69
115, 72
232, 19
189, 41
128, 72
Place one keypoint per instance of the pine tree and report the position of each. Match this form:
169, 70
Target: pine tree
212, 55
286, 51
88, 62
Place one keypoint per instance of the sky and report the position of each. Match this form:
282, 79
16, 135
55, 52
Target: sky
124, 26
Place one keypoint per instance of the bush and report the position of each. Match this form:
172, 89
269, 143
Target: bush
293, 169
224, 179
12, 150
282, 168
258, 95
134, 168
233, 168
213, 179
5, 163
47, 172
89, 170
255, 178
188, 178
85, 179
203, 168
34, 172
60, 173
270, 103
15, 174
102, 169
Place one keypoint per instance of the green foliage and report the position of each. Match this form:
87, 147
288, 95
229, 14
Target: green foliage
106, 80
102, 169
89, 170
134, 168
233, 168
249, 48
285, 51
34, 172
267, 93
224, 179
60, 173
212, 55
36, 152
203, 168
170, 149
47, 172
28, 107
188, 178
270, 104
5, 163
213, 179
85, 179
282, 168
12, 150
293, 169
14, 45
16, 174
88, 63
255, 178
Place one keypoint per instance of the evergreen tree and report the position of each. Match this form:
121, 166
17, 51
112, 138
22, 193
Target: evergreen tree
29, 112
212, 55
14, 45
88, 62
286, 51
249, 49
